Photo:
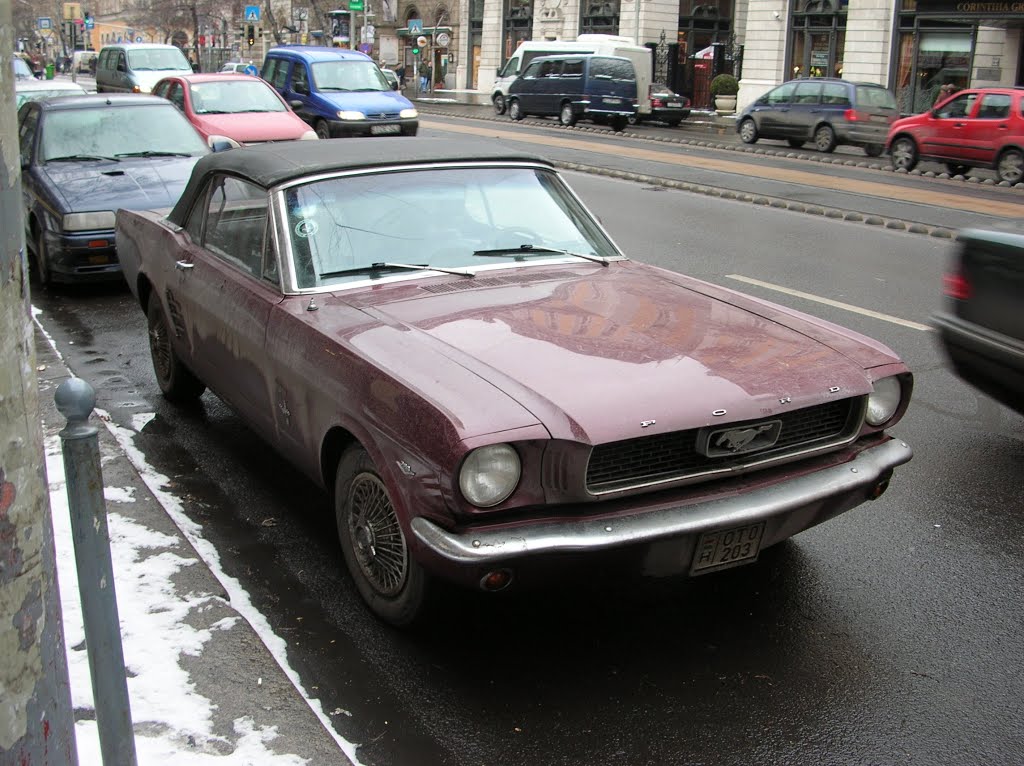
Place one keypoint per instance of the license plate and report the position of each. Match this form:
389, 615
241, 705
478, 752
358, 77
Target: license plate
613, 100
99, 260
674, 104
381, 130
726, 548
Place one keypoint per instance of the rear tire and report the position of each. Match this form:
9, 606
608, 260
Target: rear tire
956, 169
566, 116
673, 123
796, 143
1010, 166
391, 583
42, 259
748, 131
824, 139
903, 154
515, 112
619, 124
873, 150
176, 381
499, 104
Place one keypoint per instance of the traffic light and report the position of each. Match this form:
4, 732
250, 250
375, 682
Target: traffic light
415, 49
250, 35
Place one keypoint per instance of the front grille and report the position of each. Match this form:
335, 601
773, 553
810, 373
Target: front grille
674, 456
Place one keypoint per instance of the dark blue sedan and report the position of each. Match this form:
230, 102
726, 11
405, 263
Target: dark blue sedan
83, 158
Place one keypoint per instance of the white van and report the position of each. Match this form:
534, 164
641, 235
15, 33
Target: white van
137, 67
604, 45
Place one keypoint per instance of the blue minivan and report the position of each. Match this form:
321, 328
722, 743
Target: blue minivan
576, 87
339, 92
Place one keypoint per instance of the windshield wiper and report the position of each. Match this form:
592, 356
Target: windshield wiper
334, 87
528, 250
81, 157
151, 153
374, 268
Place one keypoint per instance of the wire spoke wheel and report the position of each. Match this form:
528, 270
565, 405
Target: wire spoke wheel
377, 538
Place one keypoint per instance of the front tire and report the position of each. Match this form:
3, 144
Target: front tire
499, 104
796, 143
1010, 166
824, 139
956, 169
391, 583
176, 381
566, 116
619, 124
515, 112
748, 131
903, 154
323, 130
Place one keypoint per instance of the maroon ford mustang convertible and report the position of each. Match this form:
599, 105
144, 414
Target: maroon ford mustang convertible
450, 342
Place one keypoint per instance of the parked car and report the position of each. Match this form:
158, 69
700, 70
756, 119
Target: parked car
979, 127
242, 108
576, 87
981, 327
137, 67
392, 77
339, 92
827, 111
32, 89
22, 67
485, 384
239, 67
666, 106
83, 158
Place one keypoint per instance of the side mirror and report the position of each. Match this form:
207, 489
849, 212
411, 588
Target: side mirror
295, 104
222, 143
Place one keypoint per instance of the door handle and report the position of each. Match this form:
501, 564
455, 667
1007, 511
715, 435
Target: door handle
184, 265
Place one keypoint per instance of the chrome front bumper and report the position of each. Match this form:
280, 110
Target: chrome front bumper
813, 498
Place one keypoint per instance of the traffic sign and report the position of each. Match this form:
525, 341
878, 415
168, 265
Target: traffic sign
252, 13
355, 5
45, 22
415, 26
443, 39
421, 41
251, 69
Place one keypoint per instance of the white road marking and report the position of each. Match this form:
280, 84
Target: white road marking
830, 302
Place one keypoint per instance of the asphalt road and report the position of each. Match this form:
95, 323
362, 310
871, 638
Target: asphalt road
890, 635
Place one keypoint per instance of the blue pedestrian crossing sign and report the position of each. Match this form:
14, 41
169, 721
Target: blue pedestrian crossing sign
252, 13
415, 26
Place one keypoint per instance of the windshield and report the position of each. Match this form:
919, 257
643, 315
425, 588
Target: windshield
21, 69
348, 76
234, 96
158, 59
438, 217
106, 131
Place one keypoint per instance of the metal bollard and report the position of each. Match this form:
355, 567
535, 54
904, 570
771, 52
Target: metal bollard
75, 399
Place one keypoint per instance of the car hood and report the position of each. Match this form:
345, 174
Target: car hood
371, 102
135, 184
593, 353
252, 127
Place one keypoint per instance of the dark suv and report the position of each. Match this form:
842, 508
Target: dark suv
827, 111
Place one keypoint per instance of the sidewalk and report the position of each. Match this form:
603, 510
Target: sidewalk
204, 687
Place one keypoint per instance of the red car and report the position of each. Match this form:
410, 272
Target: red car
240, 108
979, 127
447, 341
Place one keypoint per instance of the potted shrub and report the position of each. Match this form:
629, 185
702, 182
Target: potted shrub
724, 88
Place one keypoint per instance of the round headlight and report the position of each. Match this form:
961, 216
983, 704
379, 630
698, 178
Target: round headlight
489, 474
883, 401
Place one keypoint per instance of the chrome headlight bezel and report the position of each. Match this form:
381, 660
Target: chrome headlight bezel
883, 401
489, 475
95, 220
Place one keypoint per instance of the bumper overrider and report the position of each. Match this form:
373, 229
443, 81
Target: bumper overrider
786, 508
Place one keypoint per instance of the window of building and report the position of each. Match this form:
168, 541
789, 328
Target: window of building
817, 31
599, 17
518, 25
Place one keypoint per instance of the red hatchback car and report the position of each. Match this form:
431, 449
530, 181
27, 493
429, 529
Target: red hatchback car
979, 127
239, 107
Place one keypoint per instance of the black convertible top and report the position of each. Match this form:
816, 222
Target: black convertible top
270, 164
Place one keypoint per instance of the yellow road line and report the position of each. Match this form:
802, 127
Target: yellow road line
871, 188
830, 302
